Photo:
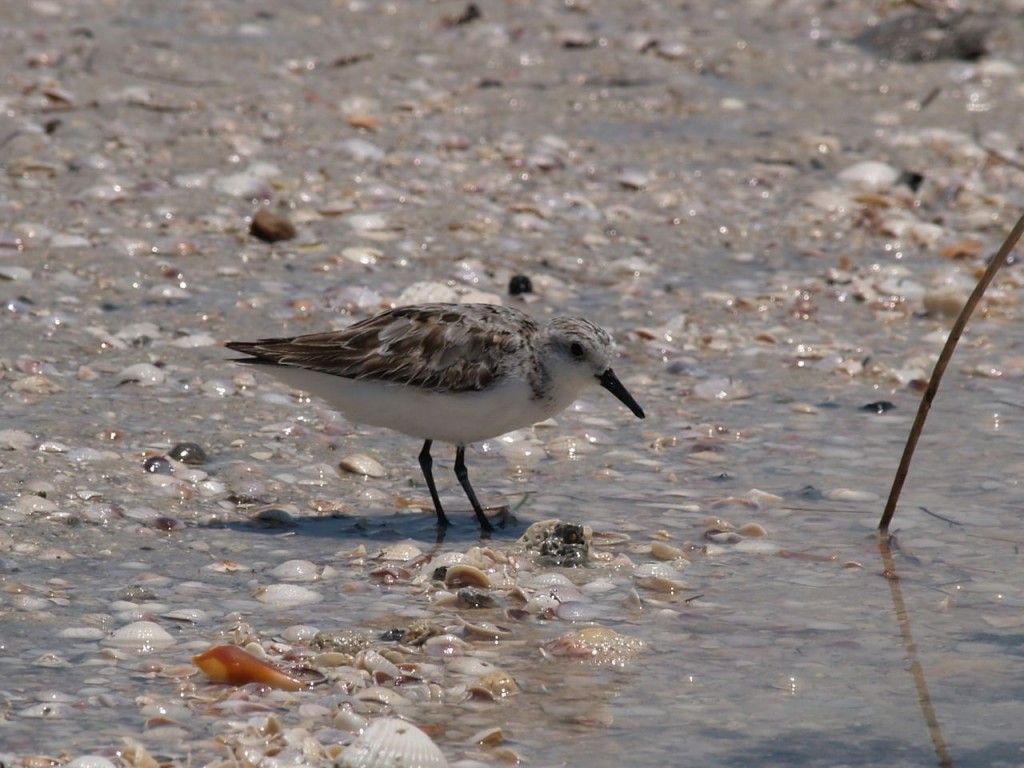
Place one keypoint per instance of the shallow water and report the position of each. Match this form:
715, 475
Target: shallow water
675, 176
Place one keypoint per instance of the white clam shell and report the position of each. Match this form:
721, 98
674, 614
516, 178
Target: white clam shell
361, 464
870, 175
392, 743
287, 595
91, 761
142, 636
143, 374
296, 570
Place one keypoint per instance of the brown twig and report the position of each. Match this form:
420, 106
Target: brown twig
940, 368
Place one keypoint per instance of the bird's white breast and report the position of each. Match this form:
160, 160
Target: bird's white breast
461, 417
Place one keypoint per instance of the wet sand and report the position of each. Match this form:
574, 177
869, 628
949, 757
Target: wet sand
775, 224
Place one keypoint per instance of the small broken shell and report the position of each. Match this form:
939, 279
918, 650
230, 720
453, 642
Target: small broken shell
752, 530
379, 667
485, 630
663, 551
493, 686
402, 552
598, 645
659, 577
230, 664
389, 742
462, 575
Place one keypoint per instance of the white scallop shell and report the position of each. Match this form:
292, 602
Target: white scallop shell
392, 743
142, 636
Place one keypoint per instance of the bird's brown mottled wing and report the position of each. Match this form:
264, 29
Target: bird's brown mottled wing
441, 347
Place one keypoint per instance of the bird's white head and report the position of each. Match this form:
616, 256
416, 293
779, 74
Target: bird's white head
577, 354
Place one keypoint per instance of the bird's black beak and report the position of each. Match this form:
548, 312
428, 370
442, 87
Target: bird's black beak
611, 382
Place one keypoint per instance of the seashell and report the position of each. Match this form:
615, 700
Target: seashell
722, 537
224, 566
486, 630
296, 570
377, 694
360, 464
401, 552
598, 645
287, 595
36, 385
390, 574
494, 686
10, 272
230, 664
15, 440
850, 494
379, 667
426, 293
332, 659
721, 388
167, 294
662, 551
361, 254
575, 38
575, 610
752, 530
193, 615
277, 516
348, 641
488, 737
420, 631
445, 646
463, 575
31, 504
50, 710
870, 175
348, 720
82, 633
389, 742
368, 222
660, 577
144, 636
90, 761
472, 597
633, 178
362, 150
143, 374
671, 49
758, 546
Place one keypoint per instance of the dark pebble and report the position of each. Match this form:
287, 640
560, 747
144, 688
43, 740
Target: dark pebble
158, 465
271, 227
188, 453
471, 597
520, 284
469, 14
911, 179
882, 406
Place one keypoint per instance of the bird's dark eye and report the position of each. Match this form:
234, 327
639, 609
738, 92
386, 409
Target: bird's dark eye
576, 350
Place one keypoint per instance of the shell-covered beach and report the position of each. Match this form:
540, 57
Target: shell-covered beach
775, 208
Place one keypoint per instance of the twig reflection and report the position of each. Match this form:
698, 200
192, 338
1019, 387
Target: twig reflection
885, 548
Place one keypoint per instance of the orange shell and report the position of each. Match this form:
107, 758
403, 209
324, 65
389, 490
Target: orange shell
230, 664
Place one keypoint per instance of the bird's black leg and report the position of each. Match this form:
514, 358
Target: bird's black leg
463, 475
426, 462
